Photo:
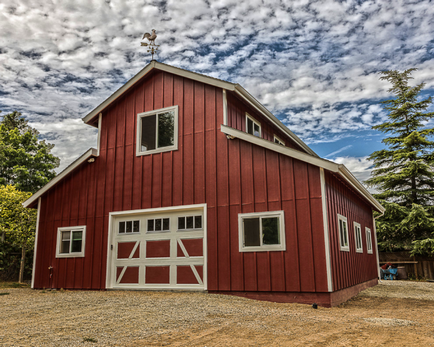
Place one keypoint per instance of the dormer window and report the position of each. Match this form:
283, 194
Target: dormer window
253, 127
157, 131
278, 141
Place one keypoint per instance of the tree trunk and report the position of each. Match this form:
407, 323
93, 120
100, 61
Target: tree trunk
23, 259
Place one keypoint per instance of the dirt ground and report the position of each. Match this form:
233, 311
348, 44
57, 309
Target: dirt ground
394, 313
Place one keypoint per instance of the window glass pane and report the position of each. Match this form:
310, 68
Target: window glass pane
136, 226
251, 232
256, 132
190, 222
148, 133
249, 126
181, 223
345, 233
66, 235
158, 225
198, 222
276, 140
76, 241
65, 247
341, 228
150, 225
270, 231
166, 125
129, 227
121, 227
166, 223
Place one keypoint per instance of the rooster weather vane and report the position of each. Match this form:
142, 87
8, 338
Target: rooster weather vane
152, 47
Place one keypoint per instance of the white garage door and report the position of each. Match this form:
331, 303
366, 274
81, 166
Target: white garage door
158, 249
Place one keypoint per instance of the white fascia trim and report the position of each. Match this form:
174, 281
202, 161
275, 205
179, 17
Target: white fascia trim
267, 114
36, 243
92, 152
293, 153
360, 187
326, 232
225, 108
163, 67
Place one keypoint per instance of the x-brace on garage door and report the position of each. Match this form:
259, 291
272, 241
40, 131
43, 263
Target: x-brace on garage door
158, 249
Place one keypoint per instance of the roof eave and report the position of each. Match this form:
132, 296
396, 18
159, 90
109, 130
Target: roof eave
92, 152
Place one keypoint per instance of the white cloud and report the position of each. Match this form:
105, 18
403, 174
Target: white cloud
313, 62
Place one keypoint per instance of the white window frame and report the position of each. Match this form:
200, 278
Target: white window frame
280, 141
254, 122
358, 235
81, 228
125, 221
345, 248
368, 240
139, 151
185, 221
158, 231
260, 215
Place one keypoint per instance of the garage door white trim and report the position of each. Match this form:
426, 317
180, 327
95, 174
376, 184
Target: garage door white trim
111, 282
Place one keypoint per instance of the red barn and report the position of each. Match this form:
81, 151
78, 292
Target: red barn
196, 186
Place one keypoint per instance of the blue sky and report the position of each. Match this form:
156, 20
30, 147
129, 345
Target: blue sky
314, 64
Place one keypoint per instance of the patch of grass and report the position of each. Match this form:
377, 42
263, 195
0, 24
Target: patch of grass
13, 285
90, 339
4, 293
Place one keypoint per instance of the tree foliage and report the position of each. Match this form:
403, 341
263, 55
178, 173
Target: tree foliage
17, 224
25, 161
403, 173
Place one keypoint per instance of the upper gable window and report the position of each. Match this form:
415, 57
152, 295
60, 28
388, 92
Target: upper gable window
278, 141
157, 131
253, 126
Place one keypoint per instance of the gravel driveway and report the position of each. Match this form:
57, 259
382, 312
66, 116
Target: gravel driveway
395, 313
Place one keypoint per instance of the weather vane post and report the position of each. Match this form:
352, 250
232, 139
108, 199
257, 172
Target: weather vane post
152, 47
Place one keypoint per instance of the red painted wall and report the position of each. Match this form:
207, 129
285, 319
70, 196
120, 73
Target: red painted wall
230, 176
349, 268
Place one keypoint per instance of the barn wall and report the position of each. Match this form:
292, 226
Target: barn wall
349, 268
230, 176
237, 119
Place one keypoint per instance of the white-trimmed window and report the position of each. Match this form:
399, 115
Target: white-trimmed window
157, 131
158, 225
358, 237
279, 141
129, 227
189, 223
368, 240
253, 127
343, 233
70, 242
264, 231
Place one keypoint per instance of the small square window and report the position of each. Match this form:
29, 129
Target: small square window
253, 127
279, 141
263, 231
158, 225
358, 237
129, 227
70, 242
343, 233
368, 240
190, 223
157, 131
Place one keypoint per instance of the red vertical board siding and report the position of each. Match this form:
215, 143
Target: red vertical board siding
349, 268
230, 176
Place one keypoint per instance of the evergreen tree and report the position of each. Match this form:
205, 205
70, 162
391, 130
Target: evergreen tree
403, 173
25, 161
